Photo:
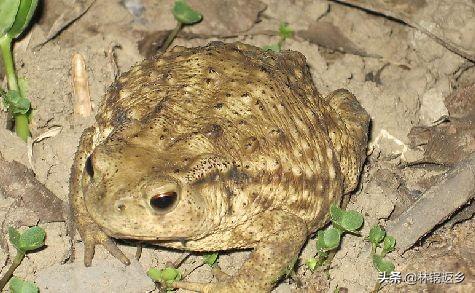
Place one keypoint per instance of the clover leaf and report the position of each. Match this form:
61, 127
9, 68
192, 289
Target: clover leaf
185, 14
164, 276
33, 238
285, 31
351, 221
389, 244
382, 265
210, 259
18, 285
328, 239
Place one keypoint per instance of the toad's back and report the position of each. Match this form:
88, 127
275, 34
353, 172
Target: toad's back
290, 148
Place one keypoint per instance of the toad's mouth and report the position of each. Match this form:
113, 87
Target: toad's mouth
141, 237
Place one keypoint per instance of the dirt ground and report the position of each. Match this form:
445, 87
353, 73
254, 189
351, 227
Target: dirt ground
400, 74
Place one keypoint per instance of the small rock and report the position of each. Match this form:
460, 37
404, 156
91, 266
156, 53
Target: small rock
433, 104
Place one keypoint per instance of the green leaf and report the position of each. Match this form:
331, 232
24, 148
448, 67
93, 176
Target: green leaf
14, 236
25, 13
311, 263
210, 259
8, 11
285, 31
320, 242
169, 275
273, 48
155, 274
331, 238
382, 265
351, 221
165, 276
376, 234
18, 285
15, 103
336, 213
389, 243
32, 239
185, 14
328, 239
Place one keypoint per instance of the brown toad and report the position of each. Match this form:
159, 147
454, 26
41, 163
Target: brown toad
219, 147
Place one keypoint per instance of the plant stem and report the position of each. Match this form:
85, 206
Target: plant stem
16, 262
377, 287
280, 43
21, 120
21, 126
172, 36
5, 46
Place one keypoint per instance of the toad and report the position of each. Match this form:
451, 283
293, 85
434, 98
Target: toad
219, 147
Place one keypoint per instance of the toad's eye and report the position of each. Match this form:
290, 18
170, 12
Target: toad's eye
164, 201
89, 168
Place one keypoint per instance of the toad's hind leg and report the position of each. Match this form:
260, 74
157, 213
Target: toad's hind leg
274, 255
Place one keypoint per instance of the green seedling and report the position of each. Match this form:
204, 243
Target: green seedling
377, 237
32, 239
210, 259
15, 16
312, 264
18, 285
329, 239
285, 32
342, 222
184, 15
165, 276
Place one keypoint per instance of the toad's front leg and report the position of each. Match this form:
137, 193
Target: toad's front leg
90, 232
274, 255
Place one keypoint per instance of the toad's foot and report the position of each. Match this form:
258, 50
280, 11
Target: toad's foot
90, 232
273, 257
92, 235
226, 287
